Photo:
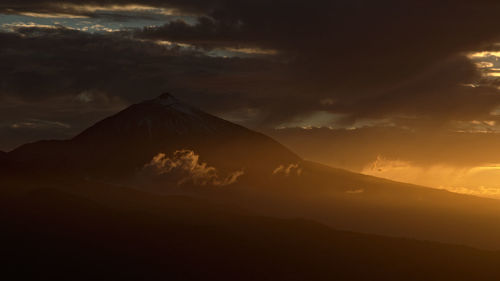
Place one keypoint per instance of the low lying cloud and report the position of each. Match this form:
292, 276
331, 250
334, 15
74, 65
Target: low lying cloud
39, 124
186, 163
291, 169
355, 191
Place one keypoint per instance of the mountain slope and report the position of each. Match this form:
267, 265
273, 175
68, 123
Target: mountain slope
350, 201
120, 145
4, 162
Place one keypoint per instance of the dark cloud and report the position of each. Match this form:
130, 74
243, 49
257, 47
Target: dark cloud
207, 33
404, 61
374, 59
77, 78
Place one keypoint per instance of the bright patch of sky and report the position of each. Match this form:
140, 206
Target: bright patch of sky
487, 62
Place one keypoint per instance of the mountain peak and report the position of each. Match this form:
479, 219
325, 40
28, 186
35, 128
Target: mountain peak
165, 95
166, 99
169, 102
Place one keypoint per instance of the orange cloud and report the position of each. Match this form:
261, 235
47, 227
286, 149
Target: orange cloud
288, 170
188, 163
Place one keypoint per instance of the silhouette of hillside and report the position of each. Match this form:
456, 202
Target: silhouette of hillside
53, 235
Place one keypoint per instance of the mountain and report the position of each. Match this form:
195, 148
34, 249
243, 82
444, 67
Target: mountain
118, 151
53, 235
120, 145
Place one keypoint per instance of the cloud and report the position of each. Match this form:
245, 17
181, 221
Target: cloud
39, 124
361, 60
188, 165
16, 132
87, 9
19, 25
338, 54
206, 33
287, 170
355, 191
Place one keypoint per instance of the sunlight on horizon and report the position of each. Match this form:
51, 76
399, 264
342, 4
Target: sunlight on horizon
483, 180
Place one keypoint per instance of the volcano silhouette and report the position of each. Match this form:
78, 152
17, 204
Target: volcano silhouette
120, 145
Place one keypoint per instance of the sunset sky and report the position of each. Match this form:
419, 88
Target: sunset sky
407, 90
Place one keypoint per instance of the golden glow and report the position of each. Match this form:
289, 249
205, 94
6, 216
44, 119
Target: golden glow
493, 74
256, 51
484, 54
483, 180
116, 8
13, 26
484, 64
52, 15
485, 122
483, 61
171, 43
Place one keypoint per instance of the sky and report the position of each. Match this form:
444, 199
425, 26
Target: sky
399, 89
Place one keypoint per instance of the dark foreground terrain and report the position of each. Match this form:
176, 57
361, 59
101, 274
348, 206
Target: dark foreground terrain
48, 234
